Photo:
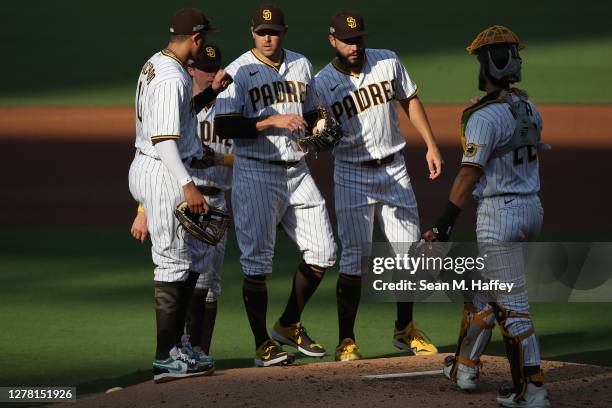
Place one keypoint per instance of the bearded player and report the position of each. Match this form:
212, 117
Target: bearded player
501, 137
361, 89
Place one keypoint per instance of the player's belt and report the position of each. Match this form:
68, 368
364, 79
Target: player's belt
186, 160
275, 162
379, 162
209, 190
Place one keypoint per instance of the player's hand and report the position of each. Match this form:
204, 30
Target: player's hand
196, 202
139, 227
434, 162
294, 123
436, 234
221, 81
208, 159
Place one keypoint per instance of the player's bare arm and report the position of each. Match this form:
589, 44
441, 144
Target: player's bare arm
416, 113
294, 123
140, 230
462, 188
464, 184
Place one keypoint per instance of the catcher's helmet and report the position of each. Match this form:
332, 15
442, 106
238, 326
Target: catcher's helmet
497, 48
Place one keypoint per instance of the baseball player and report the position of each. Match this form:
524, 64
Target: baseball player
213, 183
501, 136
361, 88
269, 105
160, 178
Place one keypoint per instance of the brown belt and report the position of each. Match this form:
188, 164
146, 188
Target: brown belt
275, 162
209, 190
378, 162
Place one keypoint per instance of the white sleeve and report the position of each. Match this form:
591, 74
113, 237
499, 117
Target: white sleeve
169, 154
404, 86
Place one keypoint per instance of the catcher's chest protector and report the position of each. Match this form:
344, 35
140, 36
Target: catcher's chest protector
526, 132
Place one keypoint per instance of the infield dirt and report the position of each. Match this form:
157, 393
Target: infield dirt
342, 385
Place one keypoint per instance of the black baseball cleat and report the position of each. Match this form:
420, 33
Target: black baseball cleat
296, 336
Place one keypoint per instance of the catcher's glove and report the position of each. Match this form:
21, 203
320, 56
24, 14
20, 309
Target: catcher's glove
327, 137
208, 228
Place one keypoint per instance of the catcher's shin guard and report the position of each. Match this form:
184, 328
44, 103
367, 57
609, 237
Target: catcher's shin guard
474, 337
521, 374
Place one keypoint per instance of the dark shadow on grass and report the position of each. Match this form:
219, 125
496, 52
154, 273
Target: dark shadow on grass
599, 357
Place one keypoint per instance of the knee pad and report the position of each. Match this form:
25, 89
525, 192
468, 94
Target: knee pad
513, 340
474, 336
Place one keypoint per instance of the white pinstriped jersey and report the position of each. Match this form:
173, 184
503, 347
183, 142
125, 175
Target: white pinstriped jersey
366, 105
261, 90
516, 172
216, 176
164, 108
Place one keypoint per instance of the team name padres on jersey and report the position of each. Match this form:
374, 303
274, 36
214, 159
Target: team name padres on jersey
277, 92
216, 176
260, 90
365, 105
363, 98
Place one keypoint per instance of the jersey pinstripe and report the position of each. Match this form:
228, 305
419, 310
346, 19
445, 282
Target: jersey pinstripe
215, 176
164, 111
261, 90
164, 108
516, 172
366, 105
509, 212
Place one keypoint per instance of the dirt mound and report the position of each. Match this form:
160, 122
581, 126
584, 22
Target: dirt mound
343, 385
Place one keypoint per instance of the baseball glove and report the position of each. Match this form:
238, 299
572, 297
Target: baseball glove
208, 228
328, 135
207, 160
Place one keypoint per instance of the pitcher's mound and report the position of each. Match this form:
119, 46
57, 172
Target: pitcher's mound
343, 385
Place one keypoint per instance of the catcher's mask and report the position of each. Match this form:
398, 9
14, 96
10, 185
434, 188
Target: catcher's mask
497, 48
501, 62
208, 228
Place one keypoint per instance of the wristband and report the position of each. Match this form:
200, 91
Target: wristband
140, 208
449, 216
228, 160
186, 181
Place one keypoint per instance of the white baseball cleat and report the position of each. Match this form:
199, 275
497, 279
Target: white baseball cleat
535, 397
466, 378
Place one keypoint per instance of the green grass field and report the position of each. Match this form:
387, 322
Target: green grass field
76, 308
94, 58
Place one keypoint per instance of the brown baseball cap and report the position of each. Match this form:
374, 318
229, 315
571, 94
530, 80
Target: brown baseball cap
209, 60
189, 21
268, 17
347, 24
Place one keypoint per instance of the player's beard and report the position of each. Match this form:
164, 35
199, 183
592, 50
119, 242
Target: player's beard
345, 62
